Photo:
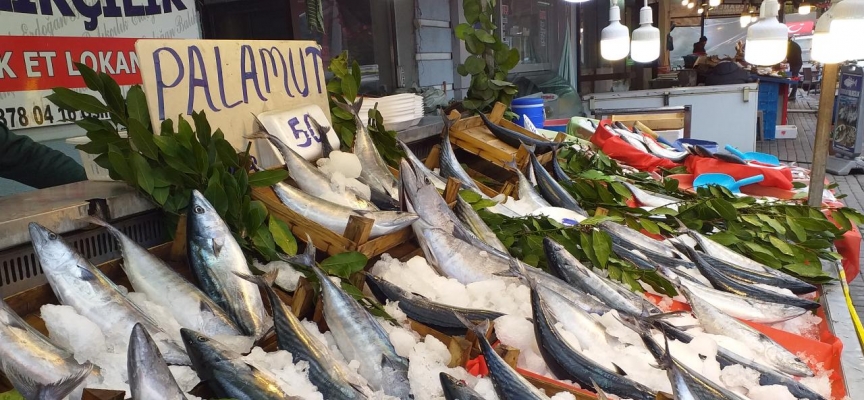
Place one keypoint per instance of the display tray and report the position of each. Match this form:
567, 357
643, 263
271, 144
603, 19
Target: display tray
472, 135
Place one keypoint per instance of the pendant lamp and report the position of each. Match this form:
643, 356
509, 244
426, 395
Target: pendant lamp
645, 46
700, 10
824, 48
615, 38
766, 39
691, 5
714, 3
804, 9
847, 27
745, 19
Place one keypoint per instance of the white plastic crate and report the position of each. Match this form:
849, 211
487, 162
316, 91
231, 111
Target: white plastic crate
672, 135
94, 171
786, 132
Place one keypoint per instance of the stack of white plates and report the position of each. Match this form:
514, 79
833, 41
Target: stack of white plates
400, 111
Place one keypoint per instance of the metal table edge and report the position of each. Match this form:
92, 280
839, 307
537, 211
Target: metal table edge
840, 322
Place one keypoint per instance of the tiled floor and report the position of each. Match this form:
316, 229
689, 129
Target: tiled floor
800, 150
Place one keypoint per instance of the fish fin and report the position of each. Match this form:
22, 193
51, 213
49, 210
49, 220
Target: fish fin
445, 133
387, 362
670, 314
217, 247
619, 370
30, 389
666, 360
264, 281
512, 164
478, 329
86, 273
601, 395
530, 148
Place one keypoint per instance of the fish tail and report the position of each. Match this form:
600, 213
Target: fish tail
322, 130
511, 165
478, 329
264, 281
257, 135
601, 395
32, 390
354, 108
307, 259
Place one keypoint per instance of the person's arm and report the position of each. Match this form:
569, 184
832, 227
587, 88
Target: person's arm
33, 164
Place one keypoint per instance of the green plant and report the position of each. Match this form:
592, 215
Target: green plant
490, 59
166, 165
343, 88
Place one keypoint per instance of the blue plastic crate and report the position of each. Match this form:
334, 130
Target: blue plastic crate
769, 96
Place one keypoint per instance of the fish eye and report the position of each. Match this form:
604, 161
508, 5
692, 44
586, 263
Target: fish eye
198, 210
201, 339
52, 236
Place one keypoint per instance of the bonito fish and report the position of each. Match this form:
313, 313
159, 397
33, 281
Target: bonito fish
335, 217
226, 374
79, 284
334, 379
149, 376
37, 367
374, 170
215, 256
165, 287
360, 337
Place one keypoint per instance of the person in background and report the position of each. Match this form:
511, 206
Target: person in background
33, 164
699, 47
793, 57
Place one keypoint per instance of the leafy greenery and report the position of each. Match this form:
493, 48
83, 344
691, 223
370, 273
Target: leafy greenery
11, 395
167, 162
490, 60
343, 88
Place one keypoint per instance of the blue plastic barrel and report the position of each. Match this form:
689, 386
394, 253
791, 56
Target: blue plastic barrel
530, 106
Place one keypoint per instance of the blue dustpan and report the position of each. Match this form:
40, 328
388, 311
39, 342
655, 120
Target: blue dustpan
763, 158
726, 181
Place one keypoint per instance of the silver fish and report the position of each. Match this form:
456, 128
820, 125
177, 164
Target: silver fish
650, 199
79, 284
716, 322
439, 182
526, 189
508, 383
574, 272
37, 368
472, 220
575, 320
149, 376
335, 217
455, 389
749, 309
448, 162
310, 179
457, 259
226, 374
333, 378
360, 337
374, 170
165, 287
215, 256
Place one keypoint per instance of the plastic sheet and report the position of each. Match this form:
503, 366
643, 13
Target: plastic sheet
622, 151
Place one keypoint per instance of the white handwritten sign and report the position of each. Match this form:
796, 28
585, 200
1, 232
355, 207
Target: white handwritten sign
232, 81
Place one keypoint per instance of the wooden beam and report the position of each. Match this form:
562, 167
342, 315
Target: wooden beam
823, 134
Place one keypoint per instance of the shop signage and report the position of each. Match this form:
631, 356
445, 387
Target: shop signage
43, 39
232, 81
847, 127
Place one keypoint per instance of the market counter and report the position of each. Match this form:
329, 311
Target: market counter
725, 114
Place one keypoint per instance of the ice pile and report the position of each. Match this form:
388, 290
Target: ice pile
292, 378
343, 169
288, 276
417, 276
108, 350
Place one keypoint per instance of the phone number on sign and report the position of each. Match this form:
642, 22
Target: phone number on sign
24, 117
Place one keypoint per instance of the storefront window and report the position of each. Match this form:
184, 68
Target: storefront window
525, 25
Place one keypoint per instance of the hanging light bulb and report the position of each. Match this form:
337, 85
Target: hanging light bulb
766, 39
847, 27
691, 5
700, 10
745, 19
615, 38
684, 2
754, 16
804, 9
645, 46
825, 48
714, 3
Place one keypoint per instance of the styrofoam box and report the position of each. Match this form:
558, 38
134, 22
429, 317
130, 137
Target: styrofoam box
94, 171
786, 132
671, 136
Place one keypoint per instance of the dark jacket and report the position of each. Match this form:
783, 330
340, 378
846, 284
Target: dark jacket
726, 73
793, 55
33, 164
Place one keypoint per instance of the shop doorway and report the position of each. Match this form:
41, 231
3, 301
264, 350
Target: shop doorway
246, 19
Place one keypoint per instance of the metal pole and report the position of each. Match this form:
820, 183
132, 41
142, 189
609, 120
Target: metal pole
823, 134
703, 27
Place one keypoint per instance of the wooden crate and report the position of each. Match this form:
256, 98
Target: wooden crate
355, 237
472, 135
505, 183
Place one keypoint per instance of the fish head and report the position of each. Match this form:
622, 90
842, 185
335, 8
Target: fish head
205, 353
452, 387
203, 221
54, 254
142, 350
786, 362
